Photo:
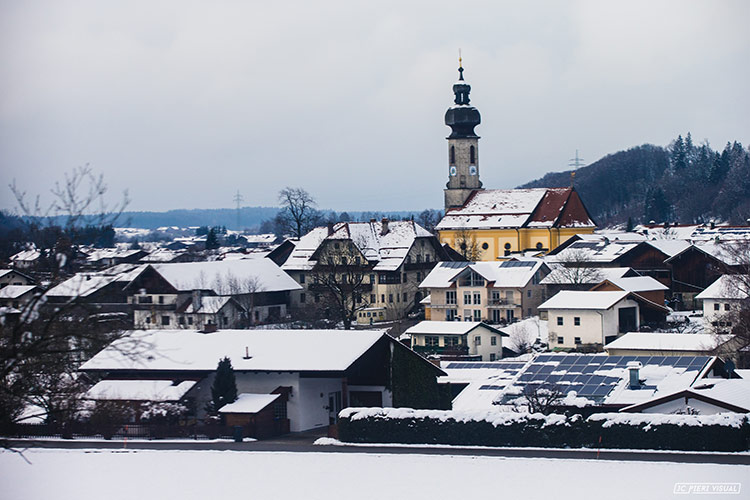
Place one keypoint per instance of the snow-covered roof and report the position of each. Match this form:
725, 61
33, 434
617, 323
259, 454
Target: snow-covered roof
442, 273
515, 273
726, 287
568, 299
583, 275
139, 390
162, 255
484, 381
269, 350
669, 247
446, 327
642, 341
387, 250
638, 284
735, 391
15, 291
249, 403
188, 276
84, 284
110, 253
209, 305
512, 208
26, 256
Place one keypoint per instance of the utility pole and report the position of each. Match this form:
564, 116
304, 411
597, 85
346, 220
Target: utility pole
238, 199
576, 162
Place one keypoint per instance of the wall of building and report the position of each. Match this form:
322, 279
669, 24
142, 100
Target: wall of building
594, 325
679, 405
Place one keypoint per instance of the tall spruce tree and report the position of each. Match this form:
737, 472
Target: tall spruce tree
224, 388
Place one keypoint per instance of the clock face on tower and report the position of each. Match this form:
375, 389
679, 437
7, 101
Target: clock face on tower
453, 170
472, 170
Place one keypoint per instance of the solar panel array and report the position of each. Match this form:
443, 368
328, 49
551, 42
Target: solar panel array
517, 263
505, 365
589, 375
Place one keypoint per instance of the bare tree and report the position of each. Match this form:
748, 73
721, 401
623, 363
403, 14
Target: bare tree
342, 275
523, 335
298, 214
737, 284
429, 218
575, 269
542, 398
466, 244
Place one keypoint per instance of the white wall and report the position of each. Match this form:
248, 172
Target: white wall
595, 324
679, 405
485, 347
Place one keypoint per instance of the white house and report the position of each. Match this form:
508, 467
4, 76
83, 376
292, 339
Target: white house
722, 299
471, 338
576, 318
667, 344
318, 372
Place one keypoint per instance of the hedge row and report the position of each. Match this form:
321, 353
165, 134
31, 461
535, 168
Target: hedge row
729, 432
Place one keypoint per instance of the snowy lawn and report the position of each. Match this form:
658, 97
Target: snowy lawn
201, 475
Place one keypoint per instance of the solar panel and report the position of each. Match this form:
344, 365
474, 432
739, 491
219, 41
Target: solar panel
516, 263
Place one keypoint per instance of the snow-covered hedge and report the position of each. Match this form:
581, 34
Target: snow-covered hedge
727, 432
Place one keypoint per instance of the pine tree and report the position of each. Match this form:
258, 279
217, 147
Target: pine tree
224, 388
212, 241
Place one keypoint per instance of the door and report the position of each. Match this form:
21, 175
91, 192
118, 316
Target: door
334, 406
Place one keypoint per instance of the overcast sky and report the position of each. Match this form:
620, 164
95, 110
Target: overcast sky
183, 103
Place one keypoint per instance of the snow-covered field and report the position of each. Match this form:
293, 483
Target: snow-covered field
201, 475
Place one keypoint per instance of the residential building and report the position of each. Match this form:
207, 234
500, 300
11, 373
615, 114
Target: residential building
377, 264
723, 299
317, 372
194, 295
479, 341
670, 344
495, 292
578, 319
14, 277
17, 296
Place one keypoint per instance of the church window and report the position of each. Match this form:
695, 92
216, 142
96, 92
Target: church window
472, 155
453, 155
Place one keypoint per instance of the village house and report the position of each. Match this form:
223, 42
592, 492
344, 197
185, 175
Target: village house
592, 319
316, 373
722, 301
496, 292
475, 340
14, 277
672, 344
216, 294
17, 296
380, 263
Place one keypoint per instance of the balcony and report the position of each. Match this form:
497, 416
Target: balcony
454, 350
503, 304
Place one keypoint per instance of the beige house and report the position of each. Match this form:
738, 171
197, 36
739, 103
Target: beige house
495, 292
457, 338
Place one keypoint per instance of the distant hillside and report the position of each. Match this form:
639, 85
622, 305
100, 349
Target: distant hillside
250, 217
681, 183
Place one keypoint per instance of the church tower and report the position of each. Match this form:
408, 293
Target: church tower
463, 145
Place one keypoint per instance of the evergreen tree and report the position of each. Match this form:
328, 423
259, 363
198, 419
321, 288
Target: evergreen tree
629, 227
212, 242
224, 388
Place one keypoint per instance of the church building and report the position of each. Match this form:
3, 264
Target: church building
499, 222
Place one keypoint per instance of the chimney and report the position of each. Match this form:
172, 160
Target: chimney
384, 222
711, 224
197, 300
634, 367
330, 229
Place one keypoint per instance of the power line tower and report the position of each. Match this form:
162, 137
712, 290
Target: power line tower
576, 162
238, 199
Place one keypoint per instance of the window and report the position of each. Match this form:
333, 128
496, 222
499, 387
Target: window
577, 340
406, 297
279, 409
492, 356
726, 307
467, 297
477, 340
225, 321
359, 298
577, 321
373, 298
148, 320
453, 155
559, 321
398, 297
182, 320
509, 295
450, 297
165, 320
302, 278
560, 340
382, 298
539, 246
451, 341
472, 155
147, 299
450, 314
477, 315
528, 294
717, 307
419, 276
390, 298
493, 340
432, 340
485, 246
190, 320
427, 257
161, 299
302, 298
467, 314
495, 296
372, 279
471, 279
477, 298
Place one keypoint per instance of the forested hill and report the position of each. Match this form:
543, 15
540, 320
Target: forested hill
683, 183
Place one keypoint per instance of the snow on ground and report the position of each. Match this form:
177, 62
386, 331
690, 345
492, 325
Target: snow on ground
187, 475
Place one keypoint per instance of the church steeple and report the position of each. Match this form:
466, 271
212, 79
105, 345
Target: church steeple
463, 145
